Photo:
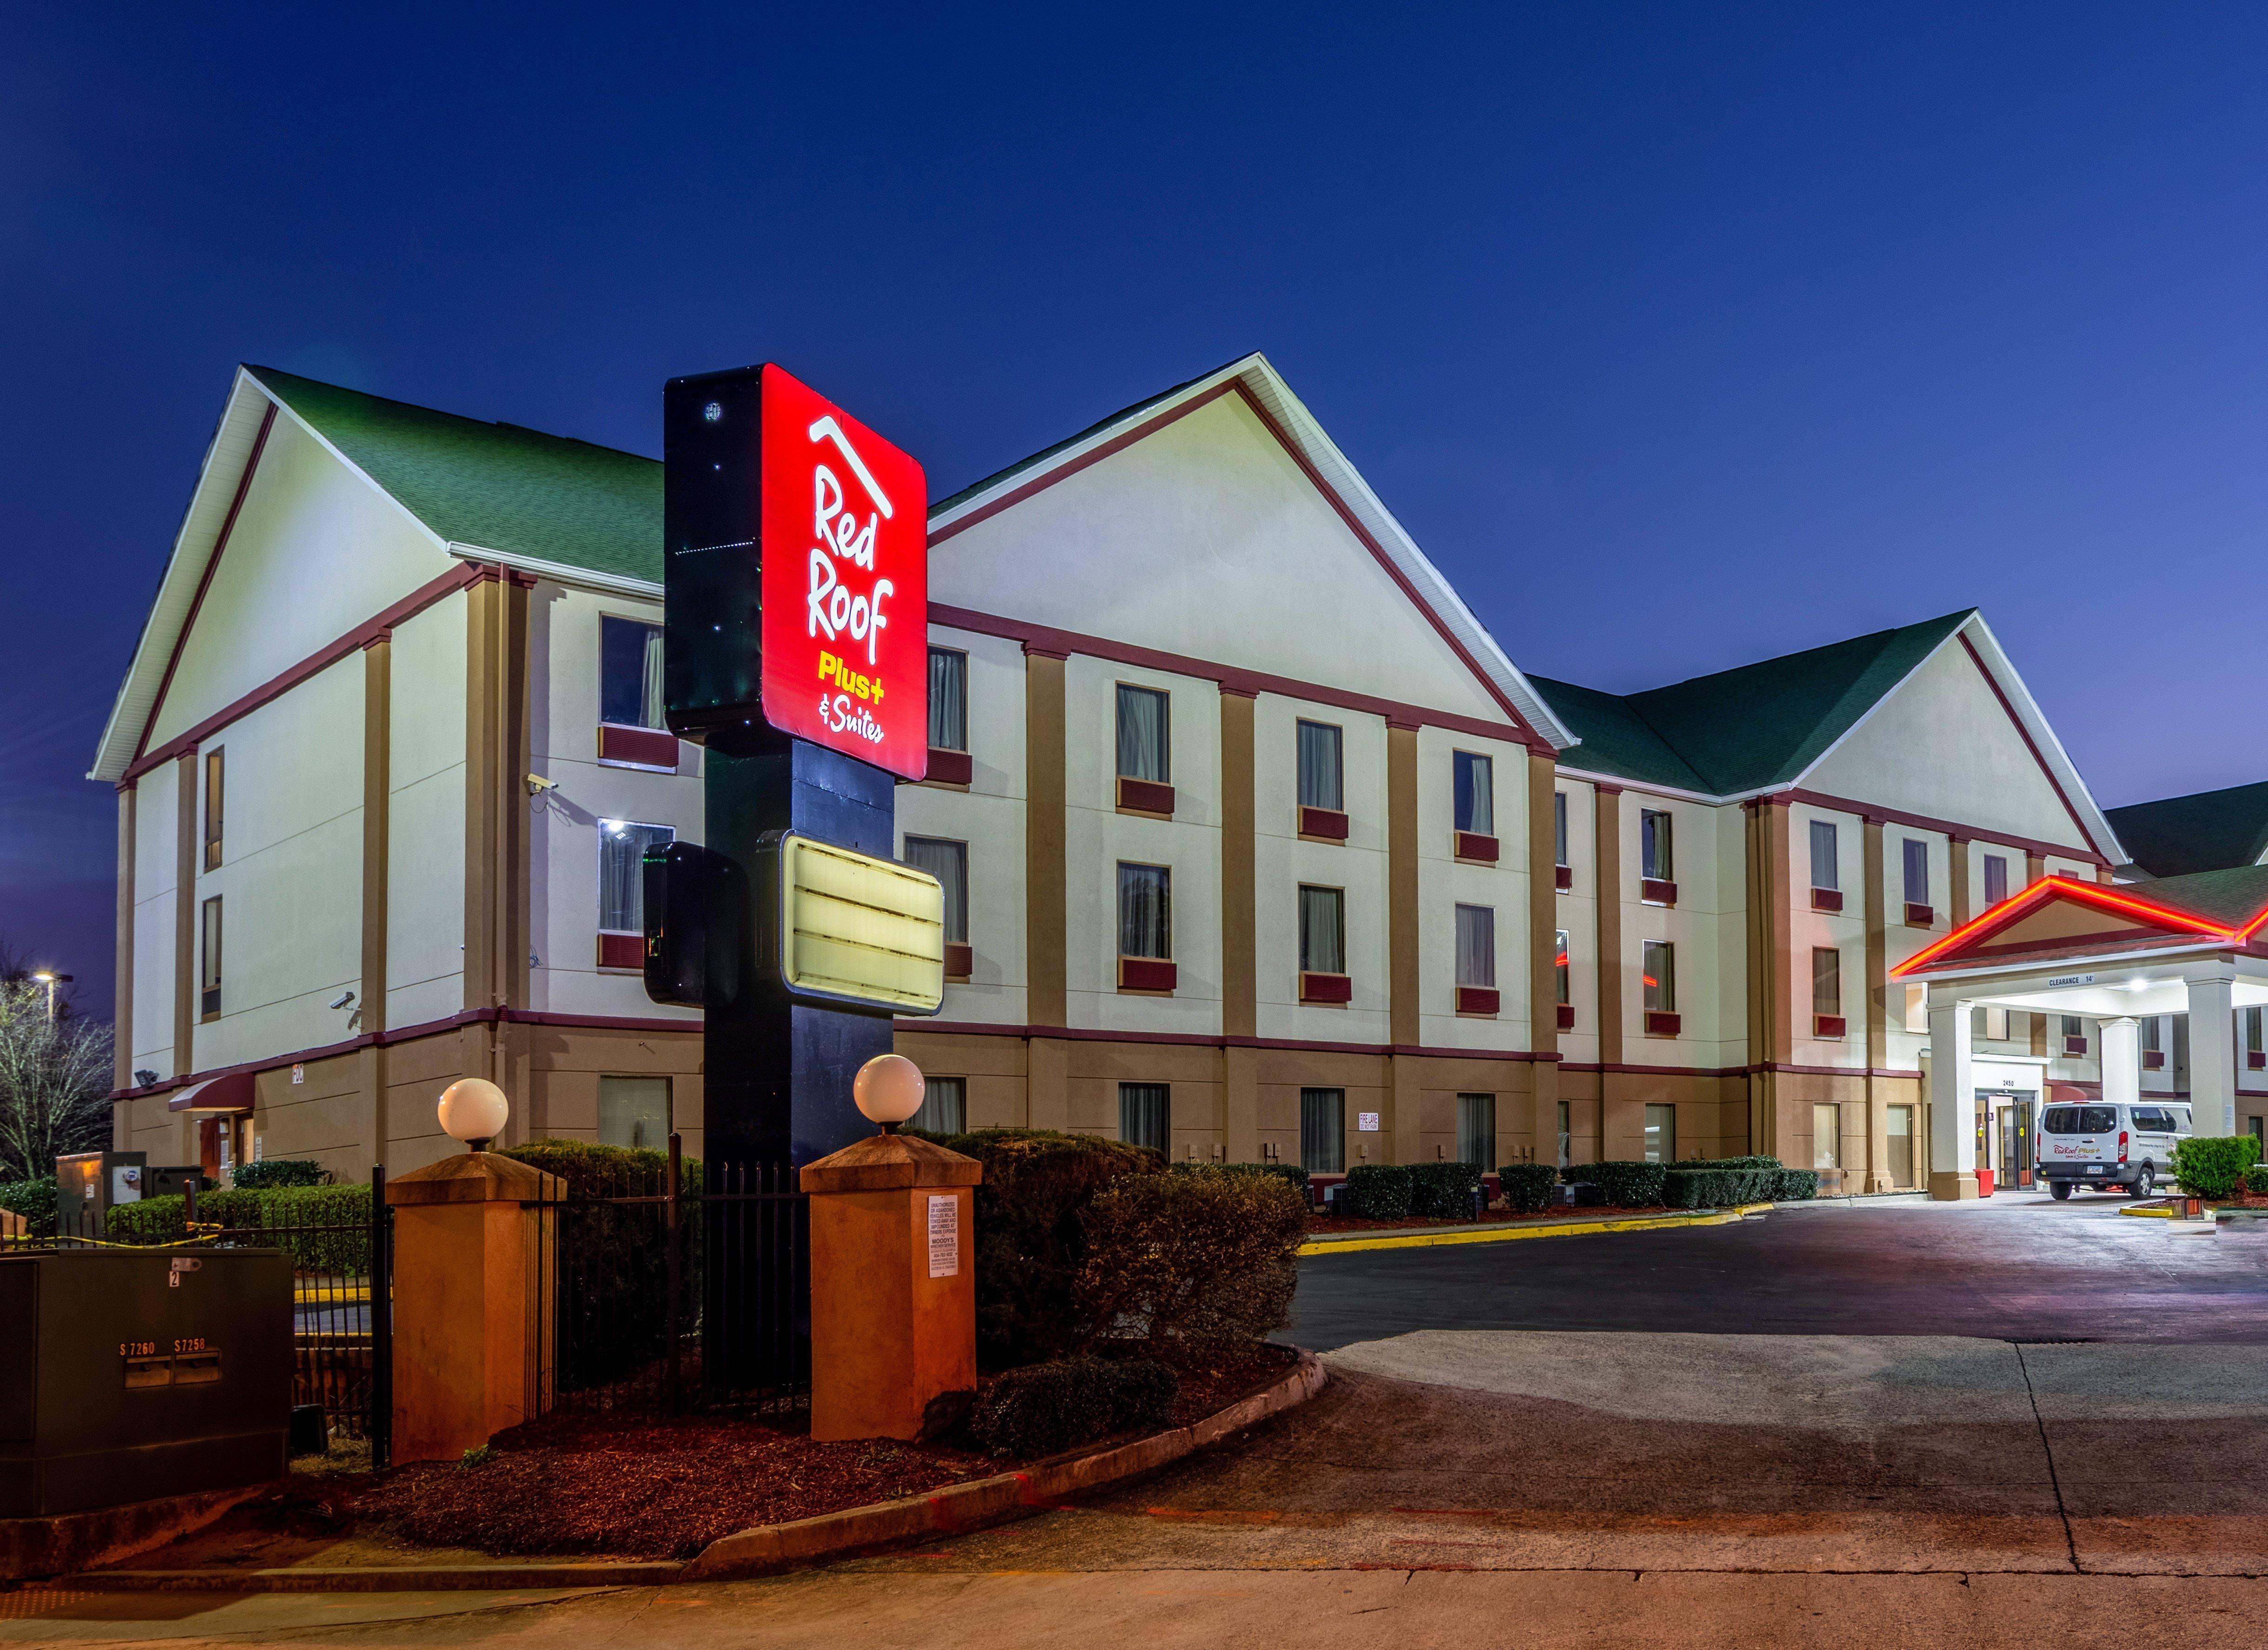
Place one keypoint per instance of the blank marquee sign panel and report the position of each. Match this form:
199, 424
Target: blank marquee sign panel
796, 587
853, 931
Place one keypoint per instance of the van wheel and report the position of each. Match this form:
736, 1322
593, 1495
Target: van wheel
2144, 1183
2060, 1190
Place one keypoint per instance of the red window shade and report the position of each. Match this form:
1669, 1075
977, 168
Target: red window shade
1145, 796
1477, 999
638, 746
1323, 822
1326, 988
950, 767
1829, 1026
1826, 899
1473, 845
1659, 1024
622, 951
1146, 974
1656, 893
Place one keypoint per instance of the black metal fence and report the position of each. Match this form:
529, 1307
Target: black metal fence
672, 1297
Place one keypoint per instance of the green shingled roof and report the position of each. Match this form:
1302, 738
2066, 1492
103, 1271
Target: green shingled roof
1748, 728
2212, 830
2231, 898
495, 485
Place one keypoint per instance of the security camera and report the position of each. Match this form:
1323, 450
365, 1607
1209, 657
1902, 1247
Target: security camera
343, 999
145, 1077
537, 785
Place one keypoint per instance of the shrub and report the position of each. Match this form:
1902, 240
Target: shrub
1625, 1185
1030, 1245
1046, 1408
324, 1228
1527, 1187
34, 1199
593, 1170
1715, 1186
1796, 1184
1727, 1163
1291, 1174
1202, 1258
1376, 1191
272, 1173
1443, 1190
2210, 1165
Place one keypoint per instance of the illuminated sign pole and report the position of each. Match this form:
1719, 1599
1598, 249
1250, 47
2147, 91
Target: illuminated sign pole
796, 652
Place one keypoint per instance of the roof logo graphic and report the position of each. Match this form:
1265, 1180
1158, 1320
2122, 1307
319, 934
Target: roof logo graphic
827, 429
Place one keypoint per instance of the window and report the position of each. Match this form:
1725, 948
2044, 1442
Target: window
1996, 879
2070, 1027
1826, 981
1661, 1134
1917, 865
1323, 929
1565, 1113
622, 873
1321, 777
944, 1108
1477, 794
1825, 868
1475, 946
1918, 1008
948, 699
2252, 1036
1897, 1125
1658, 975
948, 863
629, 672
1991, 1024
208, 960
2150, 1043
213, 770
1142, 1115
1655, 863
1827, 1137
2151, 1120
1143, 735
1559, 828
1559, 965
1322, 1131
1476, 1130
2079, 1119
1145, 912
634, 1111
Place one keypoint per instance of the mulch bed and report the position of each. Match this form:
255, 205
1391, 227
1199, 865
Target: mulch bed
660, 1489
1495, 1217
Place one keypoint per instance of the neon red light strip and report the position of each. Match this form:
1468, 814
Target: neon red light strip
2088, 893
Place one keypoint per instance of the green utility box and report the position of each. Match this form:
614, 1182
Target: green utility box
130, 1374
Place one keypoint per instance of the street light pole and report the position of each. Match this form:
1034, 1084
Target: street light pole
49, 978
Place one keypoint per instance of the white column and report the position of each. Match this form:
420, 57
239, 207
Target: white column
2121, 1043
1952, 1104
2212, 1053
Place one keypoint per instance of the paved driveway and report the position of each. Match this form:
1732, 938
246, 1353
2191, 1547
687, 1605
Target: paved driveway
2018, 1265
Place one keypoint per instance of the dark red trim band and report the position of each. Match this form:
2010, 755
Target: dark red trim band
417, 602
1083, 1034
1044, 642
1875, 814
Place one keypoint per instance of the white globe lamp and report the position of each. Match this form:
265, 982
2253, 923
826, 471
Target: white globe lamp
888, 1090
473, 1109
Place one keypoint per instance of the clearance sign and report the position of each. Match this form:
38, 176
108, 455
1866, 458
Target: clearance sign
796, 587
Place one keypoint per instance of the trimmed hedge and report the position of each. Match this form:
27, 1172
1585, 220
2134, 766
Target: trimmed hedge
1624, 1185
1377, 1191
1044, 1409
270, 1174
1203, 1258
268, 1220
1718, 1187
1527, 1187
2210, 1165
1443, 1190
1291, 1174
1796, 1184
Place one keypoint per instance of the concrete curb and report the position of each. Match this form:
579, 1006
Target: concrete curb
769, 1548
34, 1548
1562, 1228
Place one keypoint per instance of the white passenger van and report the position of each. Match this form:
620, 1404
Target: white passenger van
2103, 1146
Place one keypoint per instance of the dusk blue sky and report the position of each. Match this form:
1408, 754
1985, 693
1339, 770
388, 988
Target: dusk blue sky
1677, 337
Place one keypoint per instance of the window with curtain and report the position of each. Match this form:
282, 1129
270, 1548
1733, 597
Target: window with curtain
1475, 944
209, 958
1323, 929
1898, 1130
1826, 1137
948, 863
944, 1108
1658, 973
1826, 980
1996, 879
1476, 793
1559, 828
1655, 860
1825, 866
948, 699
629, 672
1566, 1116
1322, 1131
2253, 1031
1145, 917
1143, 1118
1917, 871
1661, 1134
1916, 1008
215, 767
1559, 964
622, 873
1476, 1130
2150, 1043
1322, 778
634, 1111
2071, 1025
1143, 750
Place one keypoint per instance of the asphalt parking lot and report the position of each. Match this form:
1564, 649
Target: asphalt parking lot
2016, 1267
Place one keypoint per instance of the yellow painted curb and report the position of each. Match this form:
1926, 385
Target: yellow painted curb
2151, 1214
1567, 1228
1754, 1208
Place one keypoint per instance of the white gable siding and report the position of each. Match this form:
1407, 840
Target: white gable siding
315, 551
425, 840
1206, 539
1942, 746
156, 845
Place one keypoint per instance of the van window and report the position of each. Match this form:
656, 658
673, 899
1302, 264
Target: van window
2079, 1119
2151, 1120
